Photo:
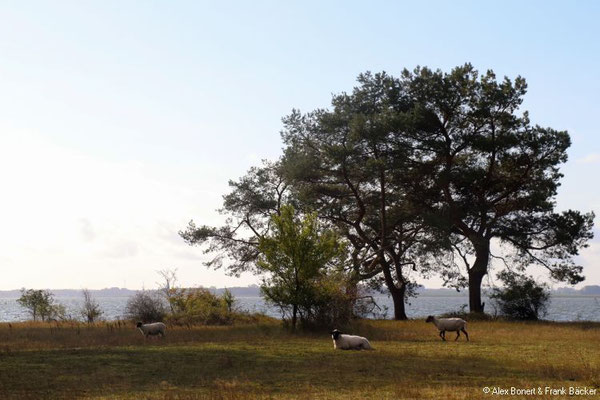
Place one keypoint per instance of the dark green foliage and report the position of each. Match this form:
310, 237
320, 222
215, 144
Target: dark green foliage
146, 306
521, 298
41, 305
483, 172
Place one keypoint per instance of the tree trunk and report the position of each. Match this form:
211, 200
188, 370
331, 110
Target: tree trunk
398, 298
476, 274
475, 304
294, 317
396, 292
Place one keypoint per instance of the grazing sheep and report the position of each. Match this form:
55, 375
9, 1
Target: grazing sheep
449, 324
157, 328
349, 342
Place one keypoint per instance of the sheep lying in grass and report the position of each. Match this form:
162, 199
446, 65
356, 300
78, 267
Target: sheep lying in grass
449, 324
157, 328
349, 342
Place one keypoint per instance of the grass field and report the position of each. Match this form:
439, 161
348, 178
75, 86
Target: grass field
106, 361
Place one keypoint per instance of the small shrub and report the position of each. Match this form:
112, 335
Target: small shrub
199, 306
229, 300
90, 311
146, 306
521, 298
336, 302
333, 304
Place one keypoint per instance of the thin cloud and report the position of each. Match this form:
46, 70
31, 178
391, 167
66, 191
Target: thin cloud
86, 230
124, 249
593, 158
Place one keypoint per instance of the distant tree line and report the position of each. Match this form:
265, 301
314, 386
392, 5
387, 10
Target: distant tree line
419, 175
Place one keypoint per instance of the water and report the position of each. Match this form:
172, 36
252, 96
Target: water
561, 308
113, 308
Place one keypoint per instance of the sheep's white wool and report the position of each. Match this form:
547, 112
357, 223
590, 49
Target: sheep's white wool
349, 342
156, 328
449, 324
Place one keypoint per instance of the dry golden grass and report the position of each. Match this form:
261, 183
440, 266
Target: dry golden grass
108, 361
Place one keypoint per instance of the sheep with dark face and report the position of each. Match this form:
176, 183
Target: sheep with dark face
449, 324
157, 328
343, 341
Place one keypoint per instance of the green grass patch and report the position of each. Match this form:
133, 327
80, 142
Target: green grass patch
107, 361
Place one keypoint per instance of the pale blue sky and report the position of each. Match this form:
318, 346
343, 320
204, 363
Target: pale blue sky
120, 121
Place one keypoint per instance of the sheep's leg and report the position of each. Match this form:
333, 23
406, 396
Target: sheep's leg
443, 335
466, 334
457, 335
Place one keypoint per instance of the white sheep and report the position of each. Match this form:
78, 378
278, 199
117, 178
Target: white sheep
349, 342
449, 324
157, 328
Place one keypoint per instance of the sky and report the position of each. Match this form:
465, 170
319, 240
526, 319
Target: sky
122, 121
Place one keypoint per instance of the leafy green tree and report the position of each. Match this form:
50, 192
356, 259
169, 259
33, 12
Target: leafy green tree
295, 255
481, 170
41, 304
431, 166
248, 208
262, 191
350, 164
521, 297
